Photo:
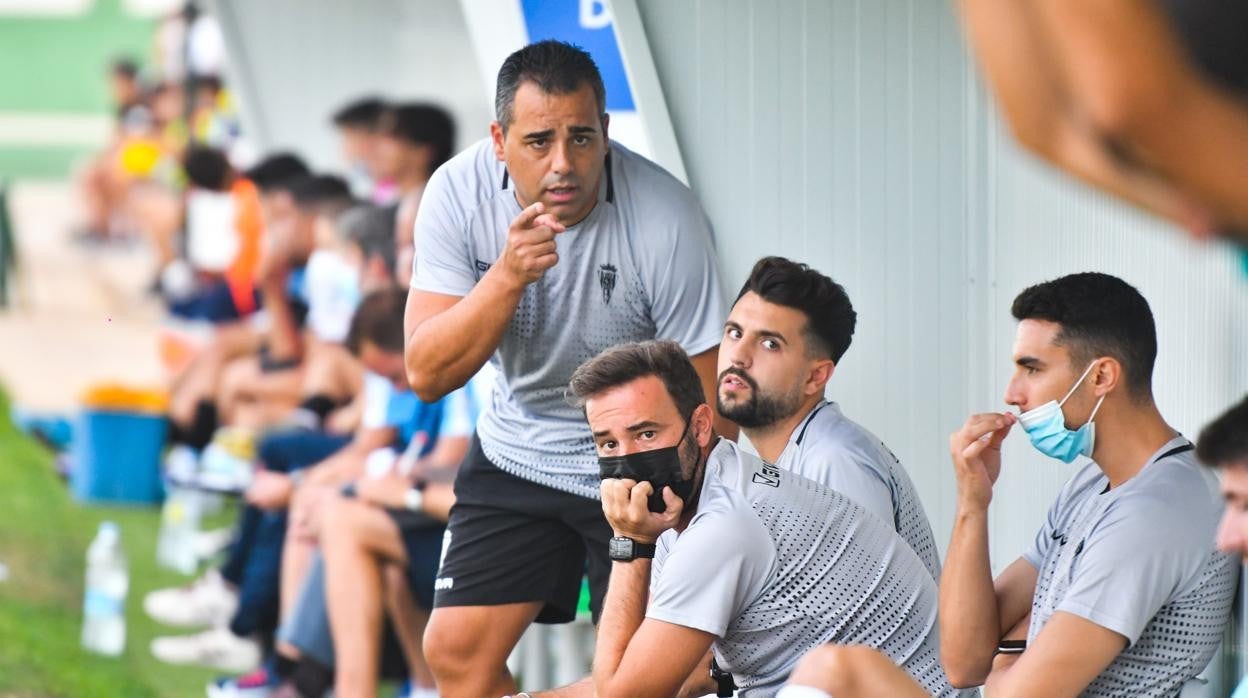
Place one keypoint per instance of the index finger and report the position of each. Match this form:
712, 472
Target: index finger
548, 220
999, 435
980, 425
528, 215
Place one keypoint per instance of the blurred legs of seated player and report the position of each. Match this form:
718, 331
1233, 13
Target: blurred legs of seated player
254, 394
257, 393
157, 213
192, 401
379, 530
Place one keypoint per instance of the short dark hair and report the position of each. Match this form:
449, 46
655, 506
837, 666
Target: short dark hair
556, 66
328, 194
1100, 315
1224, 441
363, 114
124, 67
830, 317
208, 81
206, 168
275, 170
628, 362
370, 228
422, 124
378, 320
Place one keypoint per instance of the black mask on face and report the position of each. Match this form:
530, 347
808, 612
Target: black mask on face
660, 467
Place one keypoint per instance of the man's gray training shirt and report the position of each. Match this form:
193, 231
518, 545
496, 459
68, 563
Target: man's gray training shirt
640, 266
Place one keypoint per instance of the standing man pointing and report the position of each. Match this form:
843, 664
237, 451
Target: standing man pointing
537, 249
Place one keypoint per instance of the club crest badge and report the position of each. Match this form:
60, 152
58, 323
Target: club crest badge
606, 280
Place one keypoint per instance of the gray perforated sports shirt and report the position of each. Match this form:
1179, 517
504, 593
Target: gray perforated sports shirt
830, 448
774, 564
640, 266
1139, 560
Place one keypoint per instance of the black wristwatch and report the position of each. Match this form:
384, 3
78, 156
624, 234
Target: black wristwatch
626, 549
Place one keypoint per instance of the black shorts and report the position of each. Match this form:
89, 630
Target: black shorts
510, 540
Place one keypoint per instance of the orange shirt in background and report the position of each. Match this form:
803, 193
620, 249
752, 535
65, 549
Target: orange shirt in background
241, 274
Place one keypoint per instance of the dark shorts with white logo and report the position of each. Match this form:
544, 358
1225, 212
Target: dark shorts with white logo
510, 540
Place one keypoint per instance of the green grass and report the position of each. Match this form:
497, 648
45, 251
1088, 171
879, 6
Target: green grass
43, 541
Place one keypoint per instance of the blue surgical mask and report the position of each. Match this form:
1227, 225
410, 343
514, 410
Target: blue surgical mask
1046, 427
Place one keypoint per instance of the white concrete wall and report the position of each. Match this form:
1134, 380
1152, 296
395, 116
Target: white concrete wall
293, 63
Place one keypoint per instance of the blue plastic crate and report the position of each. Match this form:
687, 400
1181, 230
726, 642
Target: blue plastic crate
117, 457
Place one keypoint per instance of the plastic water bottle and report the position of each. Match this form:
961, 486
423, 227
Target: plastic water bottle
104, 606
179, 526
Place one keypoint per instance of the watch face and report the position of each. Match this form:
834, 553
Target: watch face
620, 549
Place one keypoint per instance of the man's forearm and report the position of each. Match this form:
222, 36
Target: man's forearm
1201, 144
969, 618
1018, 60
1128, 72
1015, 61
623, 611
446, 350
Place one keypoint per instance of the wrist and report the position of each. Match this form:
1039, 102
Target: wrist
970, 512
507, 281
643, 539
625, 549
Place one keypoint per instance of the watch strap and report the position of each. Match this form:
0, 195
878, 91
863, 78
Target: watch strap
645, 550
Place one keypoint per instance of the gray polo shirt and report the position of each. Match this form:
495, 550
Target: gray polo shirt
1139, 560
830, 448
640, 266
774, 565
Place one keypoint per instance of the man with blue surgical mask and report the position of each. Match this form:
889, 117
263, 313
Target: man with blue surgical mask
1122, 587
1122, 592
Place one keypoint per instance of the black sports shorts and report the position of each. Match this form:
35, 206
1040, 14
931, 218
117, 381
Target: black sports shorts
510, 540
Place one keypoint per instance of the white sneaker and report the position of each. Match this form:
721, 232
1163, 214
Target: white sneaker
205, 602
208, 544
223, 470
217, 648
181, 464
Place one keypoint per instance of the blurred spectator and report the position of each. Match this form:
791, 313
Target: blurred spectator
413, 141
357, 124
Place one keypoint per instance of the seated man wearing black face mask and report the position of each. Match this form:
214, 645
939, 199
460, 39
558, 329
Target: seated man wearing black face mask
755, 563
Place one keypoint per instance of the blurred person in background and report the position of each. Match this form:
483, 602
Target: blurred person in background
1223, 446
413, 140
101, 183
357, 125
192, 404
